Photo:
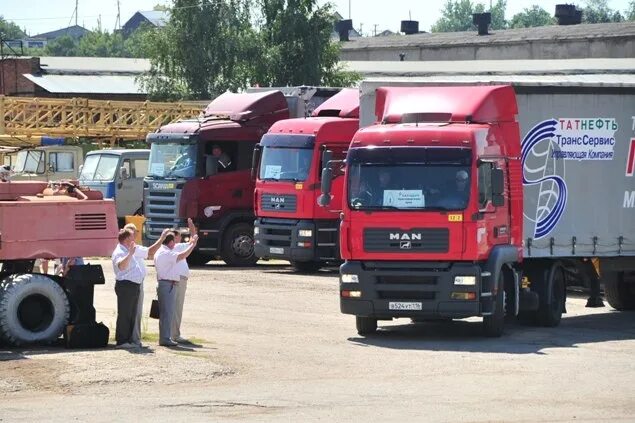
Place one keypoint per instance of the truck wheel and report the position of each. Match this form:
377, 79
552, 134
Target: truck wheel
306, 266
33, 309
365, 325
199, 259
238, 246
550, 314
494, 324
618, 291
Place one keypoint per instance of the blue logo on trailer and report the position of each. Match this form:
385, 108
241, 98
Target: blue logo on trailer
551, 185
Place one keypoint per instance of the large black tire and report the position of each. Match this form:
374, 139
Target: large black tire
494, 324
238, 246
619, 291
365, 325
199, 259
33, 309
306, 266
549, 313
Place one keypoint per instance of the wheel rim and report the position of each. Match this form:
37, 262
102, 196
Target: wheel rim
35, 313
243, 246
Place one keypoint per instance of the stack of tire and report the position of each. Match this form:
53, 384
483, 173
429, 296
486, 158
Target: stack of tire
34, 309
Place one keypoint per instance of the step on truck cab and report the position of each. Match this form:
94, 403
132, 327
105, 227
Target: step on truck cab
201, 169
287, 168
118, 175
454, 209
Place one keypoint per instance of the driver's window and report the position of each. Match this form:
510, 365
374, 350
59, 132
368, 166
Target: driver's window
125, 169
484, 184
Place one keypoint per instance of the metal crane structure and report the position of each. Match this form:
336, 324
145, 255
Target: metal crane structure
24, 120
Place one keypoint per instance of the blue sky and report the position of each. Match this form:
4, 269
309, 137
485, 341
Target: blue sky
39, 16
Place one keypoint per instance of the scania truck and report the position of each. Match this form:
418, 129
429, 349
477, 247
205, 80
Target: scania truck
201, 169
287, 167
464, 201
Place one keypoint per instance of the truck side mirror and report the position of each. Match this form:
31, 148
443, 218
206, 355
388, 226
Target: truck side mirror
255, 161
327, 178
498, 187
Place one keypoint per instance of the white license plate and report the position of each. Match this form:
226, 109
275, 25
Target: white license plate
276, 250
404, 306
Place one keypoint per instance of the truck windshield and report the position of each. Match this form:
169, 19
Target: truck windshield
408, 178
29, 161
99, 167
172, 160
285, 163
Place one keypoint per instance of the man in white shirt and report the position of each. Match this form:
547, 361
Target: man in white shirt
142, 253
184, 273
169, 276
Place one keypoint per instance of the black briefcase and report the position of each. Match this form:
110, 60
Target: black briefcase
154, 309
86, 335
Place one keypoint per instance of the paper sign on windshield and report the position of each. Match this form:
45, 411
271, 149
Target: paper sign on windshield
404, 199
157, 169
272, 171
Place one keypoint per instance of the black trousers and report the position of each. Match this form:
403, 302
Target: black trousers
127, 299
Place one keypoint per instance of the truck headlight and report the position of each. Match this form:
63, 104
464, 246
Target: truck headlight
256, 230
307, 233
345, 278
465, 280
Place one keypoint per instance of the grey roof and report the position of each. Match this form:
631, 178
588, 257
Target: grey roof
74, 31
118, 151
156, 17
87, 84
568, 72
93, 65
509, 36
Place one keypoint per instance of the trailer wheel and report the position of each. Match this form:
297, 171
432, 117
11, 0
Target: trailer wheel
365, 325
618, 291
306, 266
549, 314
494, 324
238, 246
33, 309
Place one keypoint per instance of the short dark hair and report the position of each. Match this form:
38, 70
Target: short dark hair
168, 238
124, 234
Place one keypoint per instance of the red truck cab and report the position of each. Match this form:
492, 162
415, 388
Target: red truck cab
431, 228
289, 224
200, 169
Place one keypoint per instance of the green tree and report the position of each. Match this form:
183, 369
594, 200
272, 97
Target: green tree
630, 12
598, 11
9, 30
140, 42
296, 46
532, 16
100, 43
62, 46
457, 15
213, 46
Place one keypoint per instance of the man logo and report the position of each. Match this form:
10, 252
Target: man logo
404, 236
277, 199
405, 245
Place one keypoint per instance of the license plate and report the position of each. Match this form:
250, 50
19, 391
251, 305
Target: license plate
276, 250
404, 306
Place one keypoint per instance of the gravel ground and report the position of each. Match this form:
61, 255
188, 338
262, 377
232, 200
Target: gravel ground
270, 345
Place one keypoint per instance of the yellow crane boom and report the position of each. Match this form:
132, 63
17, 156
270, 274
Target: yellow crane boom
22, 119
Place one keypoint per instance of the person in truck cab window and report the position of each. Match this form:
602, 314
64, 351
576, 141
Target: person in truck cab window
224, 161
456, 197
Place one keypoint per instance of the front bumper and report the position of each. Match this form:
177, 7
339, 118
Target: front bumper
429, 285
280, 239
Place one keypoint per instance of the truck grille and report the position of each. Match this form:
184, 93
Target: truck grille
161, 209
278, 203
424, 240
